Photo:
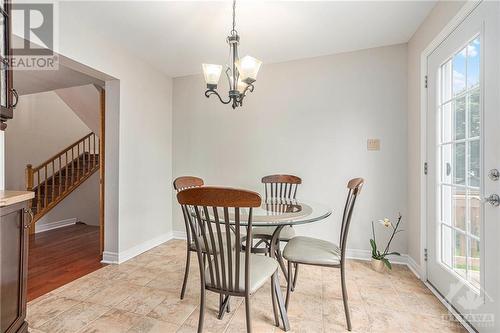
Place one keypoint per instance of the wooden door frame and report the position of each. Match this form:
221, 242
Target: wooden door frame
102, 136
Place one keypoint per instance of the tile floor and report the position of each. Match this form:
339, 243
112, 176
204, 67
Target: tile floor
142, 296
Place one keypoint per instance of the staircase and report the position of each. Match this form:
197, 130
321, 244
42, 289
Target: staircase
56, 178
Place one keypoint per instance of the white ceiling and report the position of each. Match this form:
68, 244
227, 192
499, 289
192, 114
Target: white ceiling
178, 36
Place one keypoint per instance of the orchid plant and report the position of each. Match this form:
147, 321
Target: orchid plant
376, 254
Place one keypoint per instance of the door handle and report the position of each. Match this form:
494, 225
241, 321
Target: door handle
493, 200
32, 218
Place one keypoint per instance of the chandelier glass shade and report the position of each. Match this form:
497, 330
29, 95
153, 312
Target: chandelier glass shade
241, 73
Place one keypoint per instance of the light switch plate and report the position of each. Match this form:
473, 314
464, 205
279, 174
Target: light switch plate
373, 144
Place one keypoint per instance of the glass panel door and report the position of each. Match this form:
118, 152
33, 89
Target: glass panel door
460, 162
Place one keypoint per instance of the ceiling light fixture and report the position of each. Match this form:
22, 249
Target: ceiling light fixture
241, 73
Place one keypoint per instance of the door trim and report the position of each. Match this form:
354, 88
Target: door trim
102, 151
462, 14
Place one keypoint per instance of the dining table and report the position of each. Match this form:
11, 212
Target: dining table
278, 213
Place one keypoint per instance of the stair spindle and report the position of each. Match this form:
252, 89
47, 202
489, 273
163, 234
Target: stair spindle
45, 191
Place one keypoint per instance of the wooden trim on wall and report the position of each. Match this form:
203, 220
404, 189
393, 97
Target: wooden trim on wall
102, 136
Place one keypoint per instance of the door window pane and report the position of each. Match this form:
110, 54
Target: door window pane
474, 163
474, 212
446, 123
446, 245
460, 254
459, 72
453, 210
447, 162
446, 79
473, 57
474, 115
459, 163
474, 268
459, 115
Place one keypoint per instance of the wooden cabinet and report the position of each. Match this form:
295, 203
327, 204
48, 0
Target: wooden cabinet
14, 222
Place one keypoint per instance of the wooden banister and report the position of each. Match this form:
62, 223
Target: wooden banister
59, 175
73, 145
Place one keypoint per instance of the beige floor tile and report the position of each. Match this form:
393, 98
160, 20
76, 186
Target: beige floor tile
143, 276
211, 323
150, 325
142, 301
42, 311
113, 321
174, 310
82, 288
113, 293
75, 318
262, 319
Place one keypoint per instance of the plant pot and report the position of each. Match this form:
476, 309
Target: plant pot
378, 265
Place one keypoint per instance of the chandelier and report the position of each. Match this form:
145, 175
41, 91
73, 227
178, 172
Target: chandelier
241, 73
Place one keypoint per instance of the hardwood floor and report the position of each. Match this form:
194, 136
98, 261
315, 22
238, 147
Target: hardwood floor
59, 256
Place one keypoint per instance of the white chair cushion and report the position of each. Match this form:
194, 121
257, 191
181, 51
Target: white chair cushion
261, 269
286, 233
216, 239
312, 251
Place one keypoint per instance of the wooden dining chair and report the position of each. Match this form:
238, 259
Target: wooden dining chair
279, 188
312, 251
230, 272
180, 184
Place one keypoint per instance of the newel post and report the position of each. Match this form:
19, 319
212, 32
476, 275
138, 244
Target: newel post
29, 177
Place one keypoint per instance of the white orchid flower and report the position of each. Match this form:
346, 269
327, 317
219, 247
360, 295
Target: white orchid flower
386, 222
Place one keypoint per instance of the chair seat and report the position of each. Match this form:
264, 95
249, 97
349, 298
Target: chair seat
192, 246
286, 233
261, 269
313, 251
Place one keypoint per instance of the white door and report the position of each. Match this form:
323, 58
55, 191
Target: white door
463, 147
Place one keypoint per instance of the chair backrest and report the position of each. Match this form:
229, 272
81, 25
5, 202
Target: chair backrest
354, 186
281, 186
218, 214
183, 183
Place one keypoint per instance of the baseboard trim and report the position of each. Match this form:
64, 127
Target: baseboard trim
122, 256
55, 225
109, 257
179, 235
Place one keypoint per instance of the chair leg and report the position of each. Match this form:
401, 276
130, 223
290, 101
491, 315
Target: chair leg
288, 284
345, 297
247, 310
275, 307
202, 310
279, 257
186, 273
295, 276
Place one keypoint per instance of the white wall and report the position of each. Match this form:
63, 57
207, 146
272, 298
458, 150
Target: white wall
42, 126
138, 140
439, 17
34, 135
311, 118
81, 205
85, 102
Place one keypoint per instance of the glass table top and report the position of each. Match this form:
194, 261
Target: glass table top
282, 212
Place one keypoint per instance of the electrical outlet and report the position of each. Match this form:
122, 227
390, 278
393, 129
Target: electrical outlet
373, 144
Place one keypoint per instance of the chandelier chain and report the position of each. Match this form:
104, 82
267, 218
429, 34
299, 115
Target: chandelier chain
233, 31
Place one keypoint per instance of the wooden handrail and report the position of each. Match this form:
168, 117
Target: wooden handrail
58, 176
60, 153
